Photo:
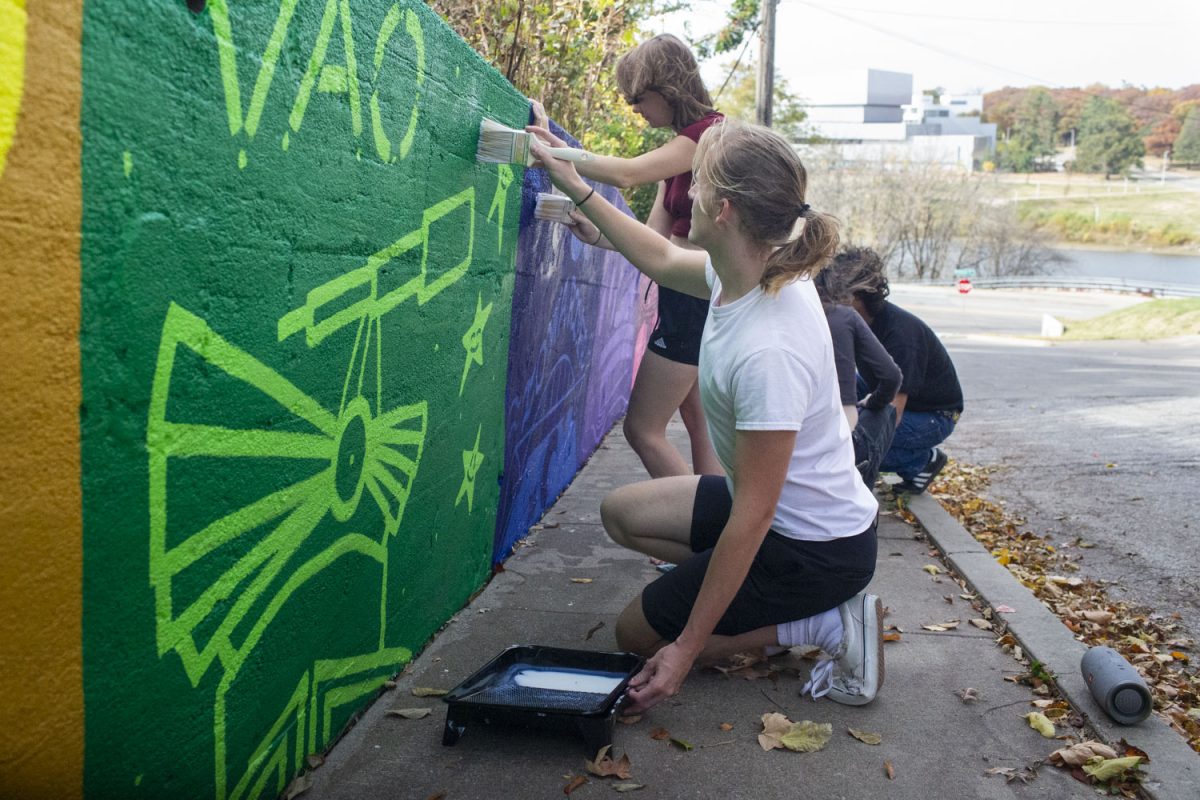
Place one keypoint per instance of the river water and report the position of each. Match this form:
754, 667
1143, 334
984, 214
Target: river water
1152, 267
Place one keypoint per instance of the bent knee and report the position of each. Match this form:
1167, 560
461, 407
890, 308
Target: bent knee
612, 516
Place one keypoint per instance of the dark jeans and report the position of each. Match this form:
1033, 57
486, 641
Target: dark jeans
872, 437
912, 446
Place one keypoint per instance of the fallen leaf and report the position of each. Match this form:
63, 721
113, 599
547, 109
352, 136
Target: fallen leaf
410, 713
1003, 609
1079, 754
982, 623
313, 760
938, 627
389, 684
1106, 769
574, 784
889, 770
725, 726
628, 787
932, 569
592, 631
806, 736
1040, 723
424, 691
582, 580
1129, 750
682, 744
299, 786
864, 737
604, 766
1098, 617
660, 734
630, 719
968, 695
891, 637
551, 524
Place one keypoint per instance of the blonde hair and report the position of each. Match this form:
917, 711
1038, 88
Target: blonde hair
759, 173
664, 64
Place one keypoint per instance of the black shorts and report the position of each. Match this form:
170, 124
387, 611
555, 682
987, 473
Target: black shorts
680, 324
789, 579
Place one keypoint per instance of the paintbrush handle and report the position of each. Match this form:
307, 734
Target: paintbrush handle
571, 154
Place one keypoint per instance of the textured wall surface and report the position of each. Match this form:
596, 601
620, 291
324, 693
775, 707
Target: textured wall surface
41, 713
578, 323
260, 432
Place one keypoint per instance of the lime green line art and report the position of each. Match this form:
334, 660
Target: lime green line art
412, 26
472, 460
504, 179
354, 296
12, 71
472, 340
333, 78
227, 54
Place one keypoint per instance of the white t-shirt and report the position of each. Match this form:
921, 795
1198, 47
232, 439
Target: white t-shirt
766, 363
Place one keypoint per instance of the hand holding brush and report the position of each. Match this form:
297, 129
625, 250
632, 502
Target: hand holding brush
499, 144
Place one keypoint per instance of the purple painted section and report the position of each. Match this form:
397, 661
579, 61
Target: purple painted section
578, 330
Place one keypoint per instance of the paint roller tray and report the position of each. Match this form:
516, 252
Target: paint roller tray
544, 687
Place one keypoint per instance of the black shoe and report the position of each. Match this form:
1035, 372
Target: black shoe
920, 482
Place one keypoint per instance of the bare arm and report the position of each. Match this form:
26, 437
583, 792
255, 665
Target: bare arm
667, 264
760, 464
585, 231
673, 158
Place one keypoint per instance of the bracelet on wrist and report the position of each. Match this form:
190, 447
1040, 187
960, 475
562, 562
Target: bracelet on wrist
599, 236
586, 197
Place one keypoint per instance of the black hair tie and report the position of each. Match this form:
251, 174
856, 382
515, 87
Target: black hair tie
804, 208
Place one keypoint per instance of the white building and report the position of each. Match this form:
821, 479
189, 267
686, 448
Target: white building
872, 114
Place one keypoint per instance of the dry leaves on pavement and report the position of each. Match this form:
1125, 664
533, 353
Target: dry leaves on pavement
1152, 642
605, 767
801, 737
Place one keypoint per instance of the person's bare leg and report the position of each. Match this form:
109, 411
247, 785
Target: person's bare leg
653, 517
636, 635
661, 385
704, 457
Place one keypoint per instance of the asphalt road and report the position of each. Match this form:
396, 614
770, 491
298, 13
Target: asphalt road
1093, 439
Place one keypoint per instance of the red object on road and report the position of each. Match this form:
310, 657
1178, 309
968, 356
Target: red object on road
964, 285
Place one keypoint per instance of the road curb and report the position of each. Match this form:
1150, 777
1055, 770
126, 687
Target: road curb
1173, 765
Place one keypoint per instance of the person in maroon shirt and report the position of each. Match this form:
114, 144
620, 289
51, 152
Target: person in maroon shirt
661, 80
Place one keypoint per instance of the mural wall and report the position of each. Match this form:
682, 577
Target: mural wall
272, 415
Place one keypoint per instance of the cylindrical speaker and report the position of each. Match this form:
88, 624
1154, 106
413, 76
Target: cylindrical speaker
1116, 685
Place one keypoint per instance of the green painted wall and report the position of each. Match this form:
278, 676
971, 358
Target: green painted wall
296, 285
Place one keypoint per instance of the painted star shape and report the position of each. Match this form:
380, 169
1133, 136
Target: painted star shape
472, 340
472, 459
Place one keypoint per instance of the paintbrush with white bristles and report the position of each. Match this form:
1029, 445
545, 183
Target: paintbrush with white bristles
499, 144
554, 207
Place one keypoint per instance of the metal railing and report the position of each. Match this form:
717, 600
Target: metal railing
1130, 285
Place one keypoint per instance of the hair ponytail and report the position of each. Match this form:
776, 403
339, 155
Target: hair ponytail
803, 256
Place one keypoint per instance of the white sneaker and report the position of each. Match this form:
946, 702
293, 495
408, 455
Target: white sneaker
859, 672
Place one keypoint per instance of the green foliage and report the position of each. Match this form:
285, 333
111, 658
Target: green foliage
1034, 134
742, 21
1109, 140
1111, 229
562, 52
1152, 320
1187, 145
739, 98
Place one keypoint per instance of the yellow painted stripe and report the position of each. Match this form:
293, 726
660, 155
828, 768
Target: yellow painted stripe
41, 716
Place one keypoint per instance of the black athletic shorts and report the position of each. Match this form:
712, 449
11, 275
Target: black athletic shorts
680, 324
789, 579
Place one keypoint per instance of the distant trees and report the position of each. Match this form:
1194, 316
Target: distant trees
1108, 140
1187, 145
1034, 135
925, 220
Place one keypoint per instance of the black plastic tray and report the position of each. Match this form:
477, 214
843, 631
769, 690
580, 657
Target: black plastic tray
491, 695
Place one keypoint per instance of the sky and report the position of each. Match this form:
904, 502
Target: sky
970, 45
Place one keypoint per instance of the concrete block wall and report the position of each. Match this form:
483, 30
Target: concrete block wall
286, 370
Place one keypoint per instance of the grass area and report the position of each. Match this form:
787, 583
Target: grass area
1086, 209
1157, 319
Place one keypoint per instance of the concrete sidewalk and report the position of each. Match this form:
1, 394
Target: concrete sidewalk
937, 745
